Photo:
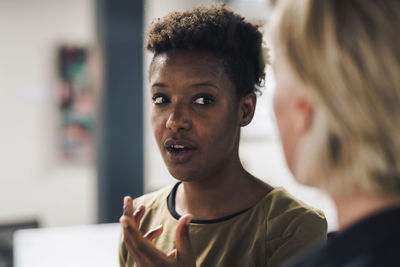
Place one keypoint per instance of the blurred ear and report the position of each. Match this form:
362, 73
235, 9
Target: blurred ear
304, 107
247, 107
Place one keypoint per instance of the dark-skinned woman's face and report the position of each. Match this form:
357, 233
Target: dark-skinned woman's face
194, 114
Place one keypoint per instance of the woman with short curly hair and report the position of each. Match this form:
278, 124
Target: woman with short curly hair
207, 65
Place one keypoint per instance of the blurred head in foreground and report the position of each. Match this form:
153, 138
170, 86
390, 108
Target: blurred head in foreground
337, 101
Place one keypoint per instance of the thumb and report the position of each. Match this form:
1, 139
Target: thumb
184, 251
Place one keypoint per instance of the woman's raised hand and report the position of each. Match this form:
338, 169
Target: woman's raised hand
143, 250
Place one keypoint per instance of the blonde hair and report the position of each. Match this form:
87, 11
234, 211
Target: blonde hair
347, 52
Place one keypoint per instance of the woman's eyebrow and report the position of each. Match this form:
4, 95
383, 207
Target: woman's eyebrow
159, 85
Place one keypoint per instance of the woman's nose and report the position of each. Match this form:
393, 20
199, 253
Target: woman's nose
178, 119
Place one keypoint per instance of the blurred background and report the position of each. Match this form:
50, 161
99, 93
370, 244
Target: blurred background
75, 135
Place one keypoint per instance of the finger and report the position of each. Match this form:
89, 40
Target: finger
172, 254
182, 233
132, 247
133, 239
153, 233
127, 222
138, 214
139, 247
132, 234
182, 239
128, 206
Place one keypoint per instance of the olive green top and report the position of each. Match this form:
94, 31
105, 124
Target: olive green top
268, 234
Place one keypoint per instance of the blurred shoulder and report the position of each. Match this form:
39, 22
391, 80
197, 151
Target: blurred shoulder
287, 214
281, 204
292, 226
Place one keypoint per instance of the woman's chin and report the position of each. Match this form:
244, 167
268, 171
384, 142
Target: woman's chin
182, 176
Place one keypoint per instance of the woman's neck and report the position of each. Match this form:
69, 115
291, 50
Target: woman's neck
220, 195
351, 209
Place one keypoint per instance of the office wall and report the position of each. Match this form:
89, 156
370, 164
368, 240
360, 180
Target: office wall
34, 183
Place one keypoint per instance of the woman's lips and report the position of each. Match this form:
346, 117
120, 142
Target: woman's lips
180, 155
178, 150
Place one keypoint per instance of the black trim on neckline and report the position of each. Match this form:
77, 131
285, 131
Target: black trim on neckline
172, 210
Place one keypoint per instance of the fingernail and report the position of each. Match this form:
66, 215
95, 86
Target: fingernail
188, 219
137, 211
159, 227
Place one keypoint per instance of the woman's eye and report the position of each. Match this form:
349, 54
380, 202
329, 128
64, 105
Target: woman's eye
159, 99
203, 100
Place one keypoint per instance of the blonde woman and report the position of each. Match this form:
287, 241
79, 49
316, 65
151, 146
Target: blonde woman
337, 104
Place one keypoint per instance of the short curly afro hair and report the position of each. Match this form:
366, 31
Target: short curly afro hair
220, 31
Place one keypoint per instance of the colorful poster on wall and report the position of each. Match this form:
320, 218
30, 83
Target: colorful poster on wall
77, 106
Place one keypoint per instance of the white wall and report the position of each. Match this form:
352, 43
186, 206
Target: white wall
33, 183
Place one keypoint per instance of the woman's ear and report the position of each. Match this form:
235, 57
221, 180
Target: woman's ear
305, 109
247, 106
